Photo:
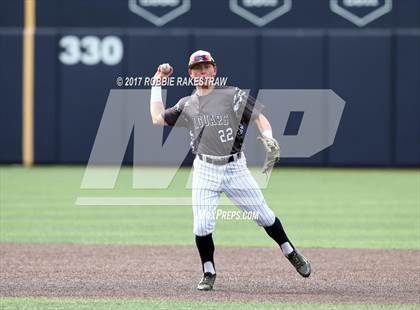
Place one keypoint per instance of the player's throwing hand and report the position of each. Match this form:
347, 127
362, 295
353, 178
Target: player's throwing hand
163, 72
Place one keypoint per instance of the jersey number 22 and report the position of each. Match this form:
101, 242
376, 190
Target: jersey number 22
226, 135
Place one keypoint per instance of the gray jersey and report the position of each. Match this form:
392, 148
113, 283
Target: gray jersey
217, 122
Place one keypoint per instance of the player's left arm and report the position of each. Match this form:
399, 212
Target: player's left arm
270, 144
264, 126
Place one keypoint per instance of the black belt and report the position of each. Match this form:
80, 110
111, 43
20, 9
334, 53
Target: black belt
220, 161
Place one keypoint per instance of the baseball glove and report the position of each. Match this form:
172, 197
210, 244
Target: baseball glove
272, 149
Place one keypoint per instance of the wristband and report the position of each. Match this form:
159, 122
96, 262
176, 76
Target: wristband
156, 94
268, 133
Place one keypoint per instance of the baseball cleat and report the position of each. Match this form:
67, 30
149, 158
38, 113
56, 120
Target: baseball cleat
207, 282
300, 262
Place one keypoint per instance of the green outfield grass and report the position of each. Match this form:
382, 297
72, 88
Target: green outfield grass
349, 208
41, 303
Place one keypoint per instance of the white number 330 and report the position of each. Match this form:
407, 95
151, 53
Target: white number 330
91, 50
226, 135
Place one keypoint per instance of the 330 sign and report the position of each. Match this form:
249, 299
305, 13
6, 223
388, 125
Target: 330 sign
91, 50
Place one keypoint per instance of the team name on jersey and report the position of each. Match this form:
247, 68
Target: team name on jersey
205, 120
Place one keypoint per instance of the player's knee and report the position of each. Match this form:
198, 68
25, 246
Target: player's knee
265, 218
201, 229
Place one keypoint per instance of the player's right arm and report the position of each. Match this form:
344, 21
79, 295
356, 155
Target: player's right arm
156, 110
156, 103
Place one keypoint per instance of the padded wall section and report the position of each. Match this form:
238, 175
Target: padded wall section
11, 100
360, 72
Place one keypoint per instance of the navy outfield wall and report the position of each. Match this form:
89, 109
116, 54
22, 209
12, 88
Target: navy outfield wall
375, 69
364, 81
11, 95
11, 21
407, 98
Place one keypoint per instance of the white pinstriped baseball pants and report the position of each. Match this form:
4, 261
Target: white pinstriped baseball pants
236, 181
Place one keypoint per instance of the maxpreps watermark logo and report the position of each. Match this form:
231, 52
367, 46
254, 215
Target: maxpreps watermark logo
159, 12
127, 114
361, 12
228, 215
260, 12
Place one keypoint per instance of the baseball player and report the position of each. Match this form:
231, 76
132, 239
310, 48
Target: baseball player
217, 119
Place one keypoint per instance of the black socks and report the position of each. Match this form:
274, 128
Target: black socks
205, 247
205, 244
277, 232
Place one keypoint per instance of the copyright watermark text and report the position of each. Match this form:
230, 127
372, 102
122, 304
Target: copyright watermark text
136, 81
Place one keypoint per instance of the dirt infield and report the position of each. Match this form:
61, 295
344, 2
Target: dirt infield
244, 274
